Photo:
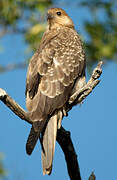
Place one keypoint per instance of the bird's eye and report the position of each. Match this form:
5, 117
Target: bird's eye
58, 13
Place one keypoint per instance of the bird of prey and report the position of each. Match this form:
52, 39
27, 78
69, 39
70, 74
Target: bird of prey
55, 71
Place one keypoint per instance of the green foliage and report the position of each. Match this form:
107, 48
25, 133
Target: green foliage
26, 17
9, 12
101, 31
34, 34
13, 10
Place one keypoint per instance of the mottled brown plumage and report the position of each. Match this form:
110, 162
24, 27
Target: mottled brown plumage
54, 72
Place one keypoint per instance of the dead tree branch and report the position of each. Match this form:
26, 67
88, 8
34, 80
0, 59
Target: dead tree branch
63, 136
11, 67
65, 142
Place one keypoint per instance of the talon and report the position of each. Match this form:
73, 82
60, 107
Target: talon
71, 100
64, 112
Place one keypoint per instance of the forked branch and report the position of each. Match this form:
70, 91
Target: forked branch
63, 137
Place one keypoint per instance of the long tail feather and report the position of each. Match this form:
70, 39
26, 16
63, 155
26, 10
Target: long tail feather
31, 141
49, 140
34, 134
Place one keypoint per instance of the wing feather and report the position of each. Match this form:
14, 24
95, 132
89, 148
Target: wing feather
58, 63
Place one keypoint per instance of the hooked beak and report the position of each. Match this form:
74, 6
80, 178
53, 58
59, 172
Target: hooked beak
49, 16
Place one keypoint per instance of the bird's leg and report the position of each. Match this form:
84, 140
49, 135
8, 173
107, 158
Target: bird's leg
59, 118
64, 111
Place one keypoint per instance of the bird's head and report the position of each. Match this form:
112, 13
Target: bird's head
57, 17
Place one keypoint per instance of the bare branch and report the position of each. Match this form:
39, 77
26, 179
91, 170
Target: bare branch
10, 103
81, 94
13, 30
3, 32
10, 67
65, 142
63, 137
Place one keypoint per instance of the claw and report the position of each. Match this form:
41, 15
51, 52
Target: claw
64, 112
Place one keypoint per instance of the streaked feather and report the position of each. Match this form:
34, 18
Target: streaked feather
49, 140
52, 71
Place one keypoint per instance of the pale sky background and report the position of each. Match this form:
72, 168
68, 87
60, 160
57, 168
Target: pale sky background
93, 125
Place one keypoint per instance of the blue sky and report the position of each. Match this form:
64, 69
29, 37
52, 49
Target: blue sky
92, 125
